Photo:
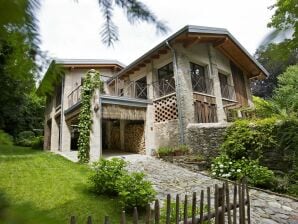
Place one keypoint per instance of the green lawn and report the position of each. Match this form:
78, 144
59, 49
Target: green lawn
51, 187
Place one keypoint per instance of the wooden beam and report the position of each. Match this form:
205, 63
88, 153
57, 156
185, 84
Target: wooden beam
226, 53
142, 65
207, 35
147, 61
156, 56
163, 51
221, 42
136, 69
191, 42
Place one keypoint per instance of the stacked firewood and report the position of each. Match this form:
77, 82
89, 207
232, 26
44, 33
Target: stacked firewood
135, 138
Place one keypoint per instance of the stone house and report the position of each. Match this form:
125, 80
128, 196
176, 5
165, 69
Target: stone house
187, 82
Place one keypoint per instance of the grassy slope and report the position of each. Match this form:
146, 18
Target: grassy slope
52, 185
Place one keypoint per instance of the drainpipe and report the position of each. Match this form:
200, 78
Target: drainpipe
177, 86
62, 113
100, 111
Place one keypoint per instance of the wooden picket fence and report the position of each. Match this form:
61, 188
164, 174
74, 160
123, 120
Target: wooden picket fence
230, 206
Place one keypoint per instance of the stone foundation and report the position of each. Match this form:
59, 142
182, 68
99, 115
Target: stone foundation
166, 134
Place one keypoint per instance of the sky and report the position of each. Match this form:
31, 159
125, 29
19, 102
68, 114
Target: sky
70, 29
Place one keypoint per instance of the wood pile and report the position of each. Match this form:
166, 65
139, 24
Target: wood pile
115, 138
135, 138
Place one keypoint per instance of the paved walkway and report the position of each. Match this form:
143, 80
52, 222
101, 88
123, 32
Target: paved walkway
168, 178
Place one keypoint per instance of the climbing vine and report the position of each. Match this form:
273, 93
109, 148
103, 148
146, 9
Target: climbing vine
91, 82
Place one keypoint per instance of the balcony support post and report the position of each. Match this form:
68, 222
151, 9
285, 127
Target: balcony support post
221, 115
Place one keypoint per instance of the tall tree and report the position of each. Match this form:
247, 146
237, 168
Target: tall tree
276, 57
19, 42
272, 57
284, 18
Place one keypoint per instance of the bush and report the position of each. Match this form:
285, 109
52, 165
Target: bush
181, 150
173, 151
28, 139
135, 191
25, 138
5, 139
111, 178
37, 142
250, 139
106, 175
165, 151
256, 175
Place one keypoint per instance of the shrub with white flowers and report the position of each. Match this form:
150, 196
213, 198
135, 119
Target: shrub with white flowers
256, 175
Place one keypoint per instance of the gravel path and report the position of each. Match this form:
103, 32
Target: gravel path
168, 178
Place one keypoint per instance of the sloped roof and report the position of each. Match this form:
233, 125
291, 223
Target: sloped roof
224, 40
78, 62
57, 66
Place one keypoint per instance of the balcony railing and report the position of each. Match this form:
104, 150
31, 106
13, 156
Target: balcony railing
228, 92
134, 89
74, 96
201, 84
163, 87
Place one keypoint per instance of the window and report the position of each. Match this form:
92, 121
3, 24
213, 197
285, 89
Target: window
141, 88
226, 90
198, 78
166, 82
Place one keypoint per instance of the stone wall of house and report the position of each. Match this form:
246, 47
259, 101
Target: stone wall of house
205, 139
166, 134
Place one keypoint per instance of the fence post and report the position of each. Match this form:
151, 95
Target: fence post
177, 209
156, 212
201, 206
148, 214
123, 218
168, 218
72, 220
228, 203
222, 204
89, 220
193, 209
216, 203
235, 203
240, 203
135, 216
185, 210
208, 203
243, 201
107, 221
248, 202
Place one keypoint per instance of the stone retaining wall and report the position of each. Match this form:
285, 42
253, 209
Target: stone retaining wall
205, 139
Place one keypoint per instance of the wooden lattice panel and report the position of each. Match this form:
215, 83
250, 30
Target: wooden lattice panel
166, 109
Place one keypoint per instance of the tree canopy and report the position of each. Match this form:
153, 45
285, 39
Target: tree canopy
276, 57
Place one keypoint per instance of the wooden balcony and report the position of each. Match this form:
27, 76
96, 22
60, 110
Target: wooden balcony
163, 87
75, 96
133, 89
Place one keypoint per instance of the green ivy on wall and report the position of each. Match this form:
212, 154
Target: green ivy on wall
91, 82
